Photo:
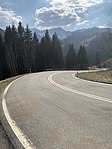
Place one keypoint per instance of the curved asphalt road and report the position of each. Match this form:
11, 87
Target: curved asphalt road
56, 110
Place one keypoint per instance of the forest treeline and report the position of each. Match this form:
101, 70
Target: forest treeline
21, 52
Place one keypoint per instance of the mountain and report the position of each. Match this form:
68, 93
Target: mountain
38, 32
84, 36
59, 31
2, 32
92, 39
107, 63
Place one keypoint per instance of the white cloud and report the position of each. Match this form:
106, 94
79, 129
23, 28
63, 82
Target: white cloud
8, 17
62, 13
87, 3
83, 23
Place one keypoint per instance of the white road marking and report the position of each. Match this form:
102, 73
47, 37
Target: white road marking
76, 91
26, 143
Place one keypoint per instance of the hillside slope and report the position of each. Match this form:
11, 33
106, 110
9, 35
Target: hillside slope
92, 39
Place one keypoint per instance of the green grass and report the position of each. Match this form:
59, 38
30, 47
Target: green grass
100, 76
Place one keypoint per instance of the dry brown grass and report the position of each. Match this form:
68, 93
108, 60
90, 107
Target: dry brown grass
100, 76
4, 83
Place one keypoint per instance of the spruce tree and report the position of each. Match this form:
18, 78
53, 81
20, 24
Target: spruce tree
22, 52
1, 57
28, 48
10, 50
71, 58
42, 55
47, 50
20, 49
82, 60
14, 37
35, 53
97, 58
57, 55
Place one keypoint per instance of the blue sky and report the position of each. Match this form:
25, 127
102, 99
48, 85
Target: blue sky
46, 14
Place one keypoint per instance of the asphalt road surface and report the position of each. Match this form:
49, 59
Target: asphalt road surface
56, 110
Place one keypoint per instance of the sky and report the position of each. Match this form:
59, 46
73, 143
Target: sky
46, 14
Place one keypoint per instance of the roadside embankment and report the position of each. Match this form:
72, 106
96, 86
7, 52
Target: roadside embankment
98, 76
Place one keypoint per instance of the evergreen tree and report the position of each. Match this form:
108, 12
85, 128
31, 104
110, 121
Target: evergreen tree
1, 57
82, 60
54, 51
28, 48
20, 49
35, 53
71, 58
14, 37
97, 59
47, 50
42, 55
21, 52
57, 54
10, 50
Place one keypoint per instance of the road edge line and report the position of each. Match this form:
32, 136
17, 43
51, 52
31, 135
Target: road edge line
22, 138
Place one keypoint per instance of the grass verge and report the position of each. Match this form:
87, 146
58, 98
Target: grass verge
4, 139
99, 76
4, 83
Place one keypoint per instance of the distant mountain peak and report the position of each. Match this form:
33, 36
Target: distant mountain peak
91, 38
59, 31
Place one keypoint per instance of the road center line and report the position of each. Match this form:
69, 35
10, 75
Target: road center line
23, 139
76, 91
